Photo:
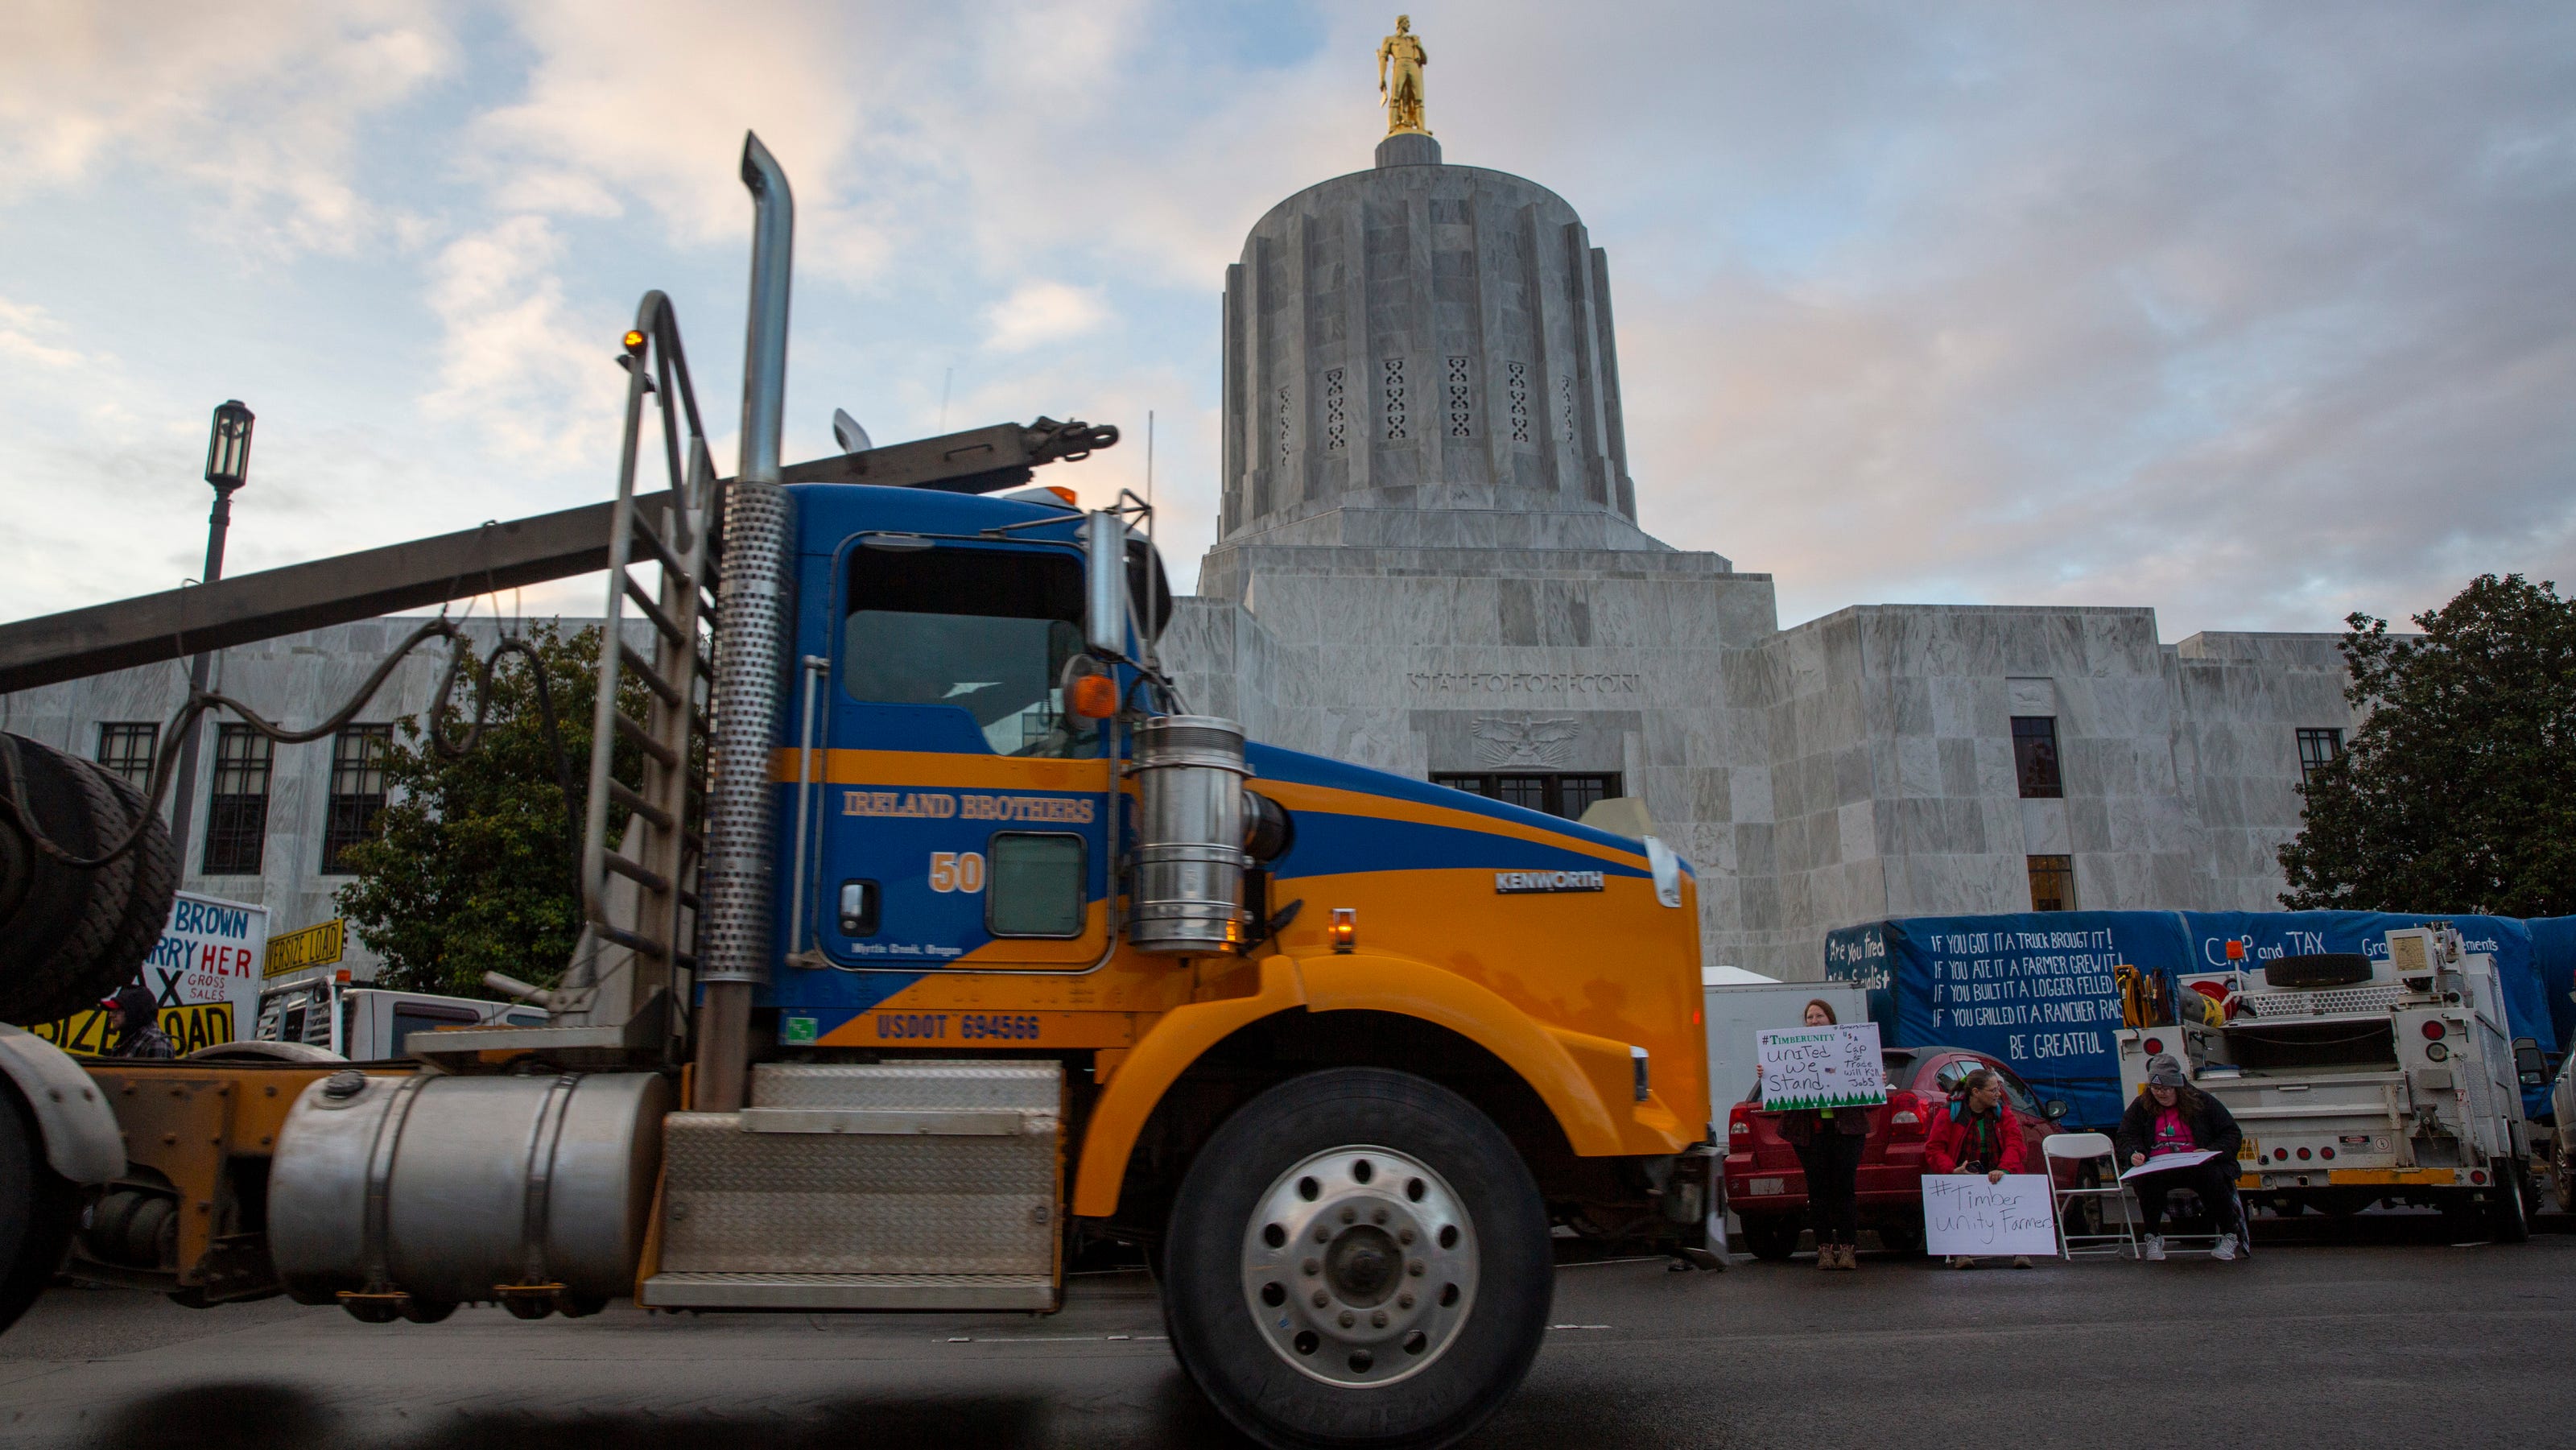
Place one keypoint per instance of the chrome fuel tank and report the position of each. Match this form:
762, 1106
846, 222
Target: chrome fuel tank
1189, 836
456, 1189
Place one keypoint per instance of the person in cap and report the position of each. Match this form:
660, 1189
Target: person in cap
2171, 1117
138, 1025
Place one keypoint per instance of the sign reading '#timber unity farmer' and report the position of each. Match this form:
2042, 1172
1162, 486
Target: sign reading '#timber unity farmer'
1821, 1067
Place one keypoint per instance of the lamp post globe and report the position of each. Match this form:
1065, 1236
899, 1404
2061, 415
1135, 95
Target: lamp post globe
228, 446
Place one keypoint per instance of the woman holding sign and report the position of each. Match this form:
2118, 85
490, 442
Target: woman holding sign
1976, 1133
1829, 1146
2173, 1119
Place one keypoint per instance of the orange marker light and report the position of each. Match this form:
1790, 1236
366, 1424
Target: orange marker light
342, 976
1093, 697
2236, 951
1346, 929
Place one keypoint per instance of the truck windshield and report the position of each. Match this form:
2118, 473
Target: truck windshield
985, 630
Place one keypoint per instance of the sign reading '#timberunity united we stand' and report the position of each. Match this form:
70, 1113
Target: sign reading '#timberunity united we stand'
1821, 1067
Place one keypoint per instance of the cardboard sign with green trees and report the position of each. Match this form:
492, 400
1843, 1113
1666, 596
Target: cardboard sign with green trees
1821, 1067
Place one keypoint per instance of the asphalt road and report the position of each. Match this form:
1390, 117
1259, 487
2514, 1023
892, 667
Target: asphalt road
2385, 1335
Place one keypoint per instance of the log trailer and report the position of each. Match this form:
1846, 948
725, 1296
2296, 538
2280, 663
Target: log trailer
930, 939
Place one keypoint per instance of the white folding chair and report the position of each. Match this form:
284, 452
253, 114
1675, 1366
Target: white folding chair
2081, 1148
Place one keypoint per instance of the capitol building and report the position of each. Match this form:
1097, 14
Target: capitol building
1431, 561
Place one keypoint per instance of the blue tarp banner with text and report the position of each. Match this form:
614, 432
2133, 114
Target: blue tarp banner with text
2035, 989
2038, 991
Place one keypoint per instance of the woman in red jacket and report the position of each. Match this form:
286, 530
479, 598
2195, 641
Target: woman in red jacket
1976, 1133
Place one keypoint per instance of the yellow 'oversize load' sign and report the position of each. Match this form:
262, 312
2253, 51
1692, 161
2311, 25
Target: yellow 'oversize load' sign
92, 1034
315, 946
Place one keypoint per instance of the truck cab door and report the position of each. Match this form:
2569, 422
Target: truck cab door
964, 819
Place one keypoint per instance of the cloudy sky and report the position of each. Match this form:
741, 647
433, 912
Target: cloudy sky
2253, 313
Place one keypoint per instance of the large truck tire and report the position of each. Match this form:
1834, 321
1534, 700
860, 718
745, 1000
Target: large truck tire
1357, 1257
37, 1209
71, 935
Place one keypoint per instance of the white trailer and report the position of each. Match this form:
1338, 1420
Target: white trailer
2362, 1079
368, 1024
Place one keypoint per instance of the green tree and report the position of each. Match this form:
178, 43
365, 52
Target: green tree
471, 869
2458, 792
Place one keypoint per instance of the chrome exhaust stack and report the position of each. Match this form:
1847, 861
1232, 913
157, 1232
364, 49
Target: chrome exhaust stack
753, 631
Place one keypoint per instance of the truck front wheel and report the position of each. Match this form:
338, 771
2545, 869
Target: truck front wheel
1357, 1257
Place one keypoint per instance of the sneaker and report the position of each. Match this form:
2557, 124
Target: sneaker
2156, 1248
2226, 1247
2021, 1261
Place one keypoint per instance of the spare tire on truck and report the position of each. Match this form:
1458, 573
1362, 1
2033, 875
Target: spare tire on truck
70, 933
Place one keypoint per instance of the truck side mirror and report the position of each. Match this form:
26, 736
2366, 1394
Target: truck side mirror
1104, 585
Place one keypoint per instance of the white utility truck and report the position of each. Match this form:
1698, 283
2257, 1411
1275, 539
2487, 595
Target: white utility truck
2361, 1079
368, 1024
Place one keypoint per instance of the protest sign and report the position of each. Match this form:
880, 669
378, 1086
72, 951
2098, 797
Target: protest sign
2170, 1163
203, 975
1821, 1067
1964, 1214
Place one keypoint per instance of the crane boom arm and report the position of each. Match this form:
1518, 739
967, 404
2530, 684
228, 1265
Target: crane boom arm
177, 623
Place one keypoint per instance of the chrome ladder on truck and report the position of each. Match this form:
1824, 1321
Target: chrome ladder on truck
625, 994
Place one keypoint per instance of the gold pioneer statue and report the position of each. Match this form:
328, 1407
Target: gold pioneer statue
1404, 99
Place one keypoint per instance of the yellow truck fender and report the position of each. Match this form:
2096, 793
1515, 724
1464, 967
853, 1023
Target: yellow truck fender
1545, 1059
82, 1141
1571, 1072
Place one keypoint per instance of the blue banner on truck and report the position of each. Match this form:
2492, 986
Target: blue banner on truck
2039, 991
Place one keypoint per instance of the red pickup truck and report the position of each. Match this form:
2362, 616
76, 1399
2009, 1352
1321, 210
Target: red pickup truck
1768, 1191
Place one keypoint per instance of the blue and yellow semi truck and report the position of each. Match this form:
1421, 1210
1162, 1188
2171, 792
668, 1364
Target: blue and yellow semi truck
933, 939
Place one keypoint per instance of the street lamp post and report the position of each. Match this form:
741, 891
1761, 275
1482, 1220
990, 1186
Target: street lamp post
227, 465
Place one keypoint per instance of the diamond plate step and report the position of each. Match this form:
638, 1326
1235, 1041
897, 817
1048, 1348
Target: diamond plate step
959, 1292
890, 1182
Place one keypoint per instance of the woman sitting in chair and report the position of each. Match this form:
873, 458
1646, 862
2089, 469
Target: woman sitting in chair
1976, 1133
2171, 1116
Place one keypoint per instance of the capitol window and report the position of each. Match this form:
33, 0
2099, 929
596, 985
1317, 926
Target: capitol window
2052, 883
2317, 750
1556, 793
2035, 757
